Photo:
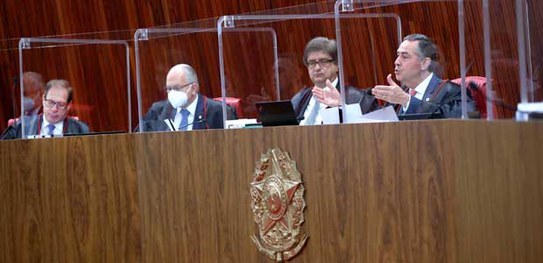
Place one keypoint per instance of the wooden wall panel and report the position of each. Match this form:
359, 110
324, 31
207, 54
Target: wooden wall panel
489, 217
444, 194
95, 73
62, 201
415, 200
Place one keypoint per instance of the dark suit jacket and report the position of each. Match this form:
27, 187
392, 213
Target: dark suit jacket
33, 127
367, 101
441, 97
208, 115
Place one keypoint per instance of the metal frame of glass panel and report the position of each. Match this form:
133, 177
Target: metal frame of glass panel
342, 7
26, 43
143, 34
529, 103
226, 22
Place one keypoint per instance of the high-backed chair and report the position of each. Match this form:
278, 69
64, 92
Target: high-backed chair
235, 103
12, 121
477, 87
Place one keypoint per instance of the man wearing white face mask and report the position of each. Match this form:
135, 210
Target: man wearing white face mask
185, 109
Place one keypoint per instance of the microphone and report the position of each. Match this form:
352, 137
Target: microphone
13, 98
172, 127
9, 133
499, 102
144, 125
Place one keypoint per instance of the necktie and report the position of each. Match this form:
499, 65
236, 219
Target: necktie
51, 128
184, 120
313, 114
412, 92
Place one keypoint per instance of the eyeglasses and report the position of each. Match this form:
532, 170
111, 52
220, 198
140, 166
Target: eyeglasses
177, 87
51, 103
323, 63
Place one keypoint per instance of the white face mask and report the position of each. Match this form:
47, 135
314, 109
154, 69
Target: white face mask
28, 104
178, 98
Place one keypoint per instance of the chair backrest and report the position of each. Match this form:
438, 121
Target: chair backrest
12, 121
234, 103
477, 87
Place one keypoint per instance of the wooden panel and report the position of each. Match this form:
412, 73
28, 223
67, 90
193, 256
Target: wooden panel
95, 73
466, 191
499, 189
69, 200
409, 200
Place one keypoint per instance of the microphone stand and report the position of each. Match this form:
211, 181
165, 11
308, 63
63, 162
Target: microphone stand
172, 127
13, 98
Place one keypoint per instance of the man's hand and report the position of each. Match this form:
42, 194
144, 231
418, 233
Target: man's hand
328, 96
392, 93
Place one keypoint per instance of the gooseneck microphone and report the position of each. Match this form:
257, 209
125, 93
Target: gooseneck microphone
13, 98
9, 133
172, 126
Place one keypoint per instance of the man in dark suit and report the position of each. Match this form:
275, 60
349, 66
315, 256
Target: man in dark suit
185, 109
57, 100
423, 91
320, 57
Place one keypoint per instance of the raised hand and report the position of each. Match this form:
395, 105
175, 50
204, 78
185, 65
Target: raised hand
329, 95
392, 92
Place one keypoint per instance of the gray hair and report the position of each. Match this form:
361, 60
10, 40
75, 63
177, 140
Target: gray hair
328, 46
426, 48
60, 83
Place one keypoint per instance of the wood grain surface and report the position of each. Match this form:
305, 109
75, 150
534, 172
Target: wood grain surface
69, 200
427, 191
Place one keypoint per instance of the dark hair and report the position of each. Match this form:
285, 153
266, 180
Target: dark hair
62, 83
426, 49
326, 45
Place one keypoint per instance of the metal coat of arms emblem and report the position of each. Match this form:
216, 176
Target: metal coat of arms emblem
277, 202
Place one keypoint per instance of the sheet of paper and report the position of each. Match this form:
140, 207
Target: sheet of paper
386, 114
353, 112
330, 115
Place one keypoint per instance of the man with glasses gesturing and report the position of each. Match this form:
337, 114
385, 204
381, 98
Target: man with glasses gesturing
320, 57
57, 100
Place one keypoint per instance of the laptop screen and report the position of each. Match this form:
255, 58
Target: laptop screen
276, 113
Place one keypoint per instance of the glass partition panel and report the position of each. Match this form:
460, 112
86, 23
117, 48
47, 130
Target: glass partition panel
530, 41
416, 62
176, 72
88, 92
292, 75
492, 52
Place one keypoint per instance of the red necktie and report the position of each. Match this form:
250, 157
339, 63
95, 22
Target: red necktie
412, 92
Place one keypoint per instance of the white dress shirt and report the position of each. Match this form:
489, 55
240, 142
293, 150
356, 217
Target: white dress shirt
420, 89
59, 126
311, 105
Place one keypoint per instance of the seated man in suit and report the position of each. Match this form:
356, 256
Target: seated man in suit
320, 57
423, 91
185, 109
57, 100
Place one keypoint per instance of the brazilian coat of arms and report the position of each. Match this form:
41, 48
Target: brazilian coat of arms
277, 203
